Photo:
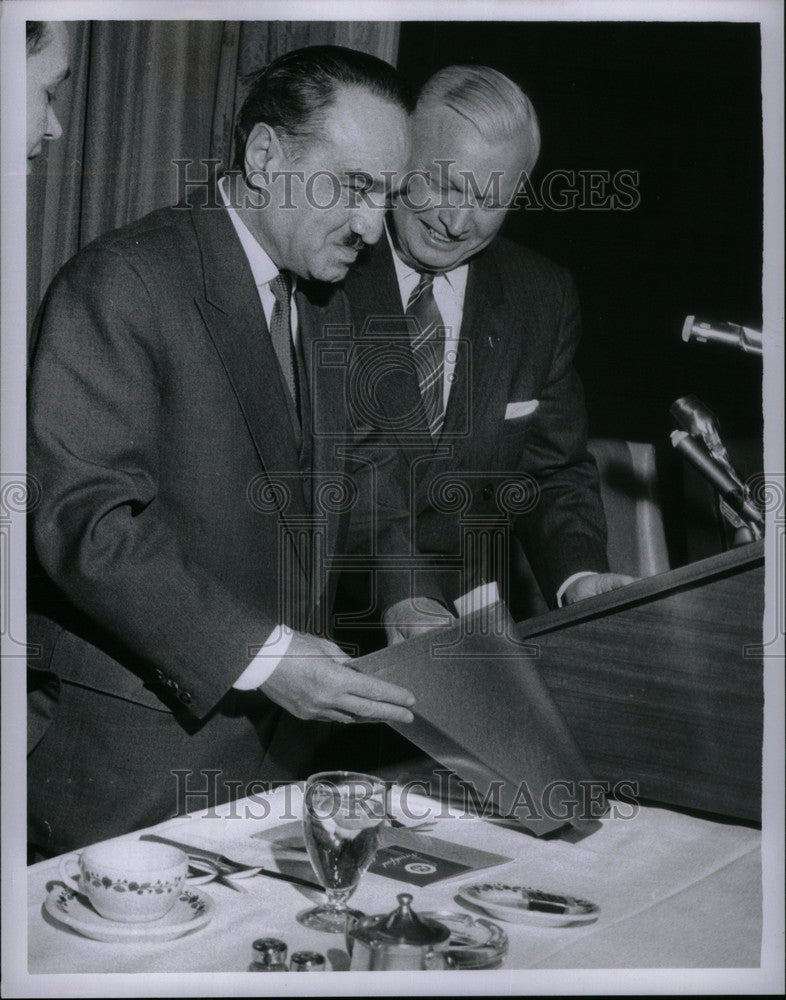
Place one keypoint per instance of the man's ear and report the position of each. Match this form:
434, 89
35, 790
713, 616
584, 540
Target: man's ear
264, 152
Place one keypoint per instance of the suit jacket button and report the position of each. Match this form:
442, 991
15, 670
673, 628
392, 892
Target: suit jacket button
487, 492
185, 697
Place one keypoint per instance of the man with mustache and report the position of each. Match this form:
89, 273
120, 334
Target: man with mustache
491, 395
190, 445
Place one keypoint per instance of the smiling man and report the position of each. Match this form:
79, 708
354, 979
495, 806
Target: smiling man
189, 452
493, 328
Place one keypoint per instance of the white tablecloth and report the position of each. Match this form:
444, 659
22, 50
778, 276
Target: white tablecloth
674, 891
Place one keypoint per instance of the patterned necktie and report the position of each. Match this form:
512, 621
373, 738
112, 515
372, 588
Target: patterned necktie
281, 331
428, 350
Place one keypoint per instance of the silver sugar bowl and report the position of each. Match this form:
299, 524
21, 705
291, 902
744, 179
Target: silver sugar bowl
398, 941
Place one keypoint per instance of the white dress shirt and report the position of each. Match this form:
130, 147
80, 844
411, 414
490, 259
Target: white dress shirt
449, 289
262, 267
264, 271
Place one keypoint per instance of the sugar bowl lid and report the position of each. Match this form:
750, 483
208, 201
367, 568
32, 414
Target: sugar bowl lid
402, 926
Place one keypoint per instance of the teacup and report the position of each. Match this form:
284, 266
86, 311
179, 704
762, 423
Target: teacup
129, 881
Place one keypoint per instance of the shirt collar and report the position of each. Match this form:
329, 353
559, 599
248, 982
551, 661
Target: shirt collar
262, 267
457, 278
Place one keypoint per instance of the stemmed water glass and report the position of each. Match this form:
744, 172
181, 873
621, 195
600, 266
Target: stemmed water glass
343, 814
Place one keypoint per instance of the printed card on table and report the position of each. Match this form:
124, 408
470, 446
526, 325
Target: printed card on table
404, 855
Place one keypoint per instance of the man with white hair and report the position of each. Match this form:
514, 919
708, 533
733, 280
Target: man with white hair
495, 419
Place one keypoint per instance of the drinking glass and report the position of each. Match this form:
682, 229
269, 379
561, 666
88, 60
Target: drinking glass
343, 813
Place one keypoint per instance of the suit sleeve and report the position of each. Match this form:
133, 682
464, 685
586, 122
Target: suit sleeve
565, 531
101, 531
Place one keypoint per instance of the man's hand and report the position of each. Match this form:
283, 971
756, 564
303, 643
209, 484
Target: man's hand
311, 681
591, 586
410, 618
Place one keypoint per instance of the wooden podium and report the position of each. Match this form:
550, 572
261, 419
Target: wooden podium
661, 682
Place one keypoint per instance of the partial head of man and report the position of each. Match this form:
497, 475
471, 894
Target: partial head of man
47, 67
475, 139
322, 139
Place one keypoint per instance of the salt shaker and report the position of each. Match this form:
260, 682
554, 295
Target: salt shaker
269, 955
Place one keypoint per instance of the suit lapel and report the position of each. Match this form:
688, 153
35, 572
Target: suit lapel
233, 315
372, 287
481, 354
235, 321
323, 330
379, 329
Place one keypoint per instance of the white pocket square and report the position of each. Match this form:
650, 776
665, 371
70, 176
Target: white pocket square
514, 410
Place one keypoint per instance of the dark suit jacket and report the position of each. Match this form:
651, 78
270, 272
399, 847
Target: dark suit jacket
519, 333
170, 538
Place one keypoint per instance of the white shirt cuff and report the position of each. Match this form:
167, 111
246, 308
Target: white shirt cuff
474, 600
569, 581
266, 660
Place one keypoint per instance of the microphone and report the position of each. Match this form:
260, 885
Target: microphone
700, 422
699, 456
744, 338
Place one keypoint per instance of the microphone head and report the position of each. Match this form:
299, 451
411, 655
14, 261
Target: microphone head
687, 328
696, 418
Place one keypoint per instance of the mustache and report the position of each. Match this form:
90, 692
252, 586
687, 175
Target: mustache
353, 242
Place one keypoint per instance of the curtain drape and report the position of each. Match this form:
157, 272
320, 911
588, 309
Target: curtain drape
142, 94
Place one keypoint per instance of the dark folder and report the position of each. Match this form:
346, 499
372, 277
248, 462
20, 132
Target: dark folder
483, 712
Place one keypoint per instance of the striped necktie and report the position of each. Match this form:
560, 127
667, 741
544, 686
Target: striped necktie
281, 331
428, 350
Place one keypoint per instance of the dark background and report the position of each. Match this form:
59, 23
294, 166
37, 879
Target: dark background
680, 104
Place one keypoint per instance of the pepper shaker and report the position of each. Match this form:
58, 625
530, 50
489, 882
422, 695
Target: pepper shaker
307, 961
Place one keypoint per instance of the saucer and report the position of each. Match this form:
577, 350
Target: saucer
511, 902
192, 910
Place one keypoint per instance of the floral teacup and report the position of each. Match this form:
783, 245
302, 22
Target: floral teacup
129, 881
